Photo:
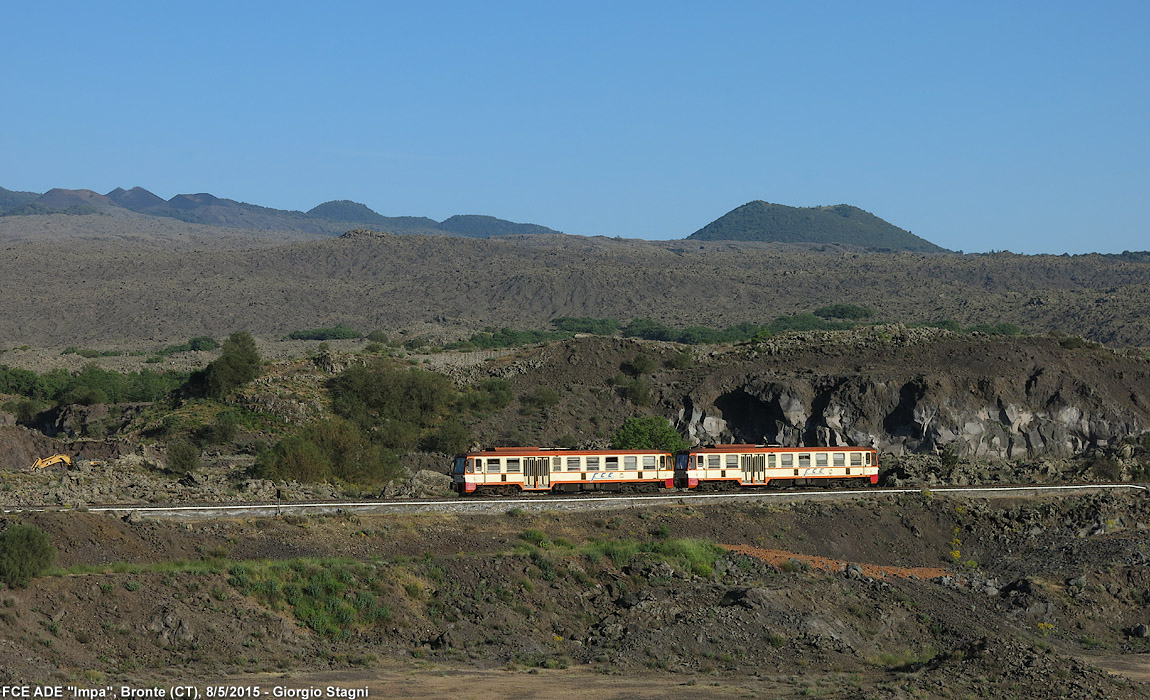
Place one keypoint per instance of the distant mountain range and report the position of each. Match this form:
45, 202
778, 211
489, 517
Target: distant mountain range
778, 223
330, 218
755, 221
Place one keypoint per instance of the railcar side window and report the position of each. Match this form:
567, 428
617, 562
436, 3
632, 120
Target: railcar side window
786, 461
556, 464
649, 461
512, 464
820, 459
611, 463
840, 459
771, 461
732, 461
572, 464
630, 462
592, 464
712, 461
804, 461
868, 458
856, 459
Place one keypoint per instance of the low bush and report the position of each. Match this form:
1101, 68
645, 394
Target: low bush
339, 332
25, 552
183, 457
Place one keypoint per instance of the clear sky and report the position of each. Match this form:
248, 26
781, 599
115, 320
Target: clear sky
979, 126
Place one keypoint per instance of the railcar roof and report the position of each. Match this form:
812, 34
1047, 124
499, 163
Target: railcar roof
775, 448
555, 452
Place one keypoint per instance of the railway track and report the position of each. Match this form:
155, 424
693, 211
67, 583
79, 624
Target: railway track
558, 502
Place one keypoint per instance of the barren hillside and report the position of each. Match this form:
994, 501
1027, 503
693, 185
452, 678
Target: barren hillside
110, 281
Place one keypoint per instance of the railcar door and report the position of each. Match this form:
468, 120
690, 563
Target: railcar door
537, 473
754, 469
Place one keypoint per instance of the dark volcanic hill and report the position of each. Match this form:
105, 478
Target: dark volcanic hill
778, 223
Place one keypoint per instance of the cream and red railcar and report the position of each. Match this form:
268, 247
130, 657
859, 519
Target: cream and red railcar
511, 470
758, 465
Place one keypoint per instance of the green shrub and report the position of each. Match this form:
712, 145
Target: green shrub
849, 312
639, 364
384, 399
806, 322
506, 338
198, 344
223, 428
183, 457
90, 385
684, 359
540, 397
451, 437
637, 391
339, 332
238, 364
329, 450
491, 394
995, 329
648, 433
25, 552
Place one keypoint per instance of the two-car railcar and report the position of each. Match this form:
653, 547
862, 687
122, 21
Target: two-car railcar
511, 470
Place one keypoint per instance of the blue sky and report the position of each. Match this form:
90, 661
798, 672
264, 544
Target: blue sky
977, 125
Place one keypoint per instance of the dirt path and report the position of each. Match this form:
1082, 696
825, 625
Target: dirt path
781, 558
396, 681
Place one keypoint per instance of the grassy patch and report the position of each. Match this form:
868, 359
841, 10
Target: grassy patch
334, 598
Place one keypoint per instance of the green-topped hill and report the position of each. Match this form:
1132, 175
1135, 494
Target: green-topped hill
842, 223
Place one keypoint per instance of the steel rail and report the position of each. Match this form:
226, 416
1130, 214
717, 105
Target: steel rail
205, 511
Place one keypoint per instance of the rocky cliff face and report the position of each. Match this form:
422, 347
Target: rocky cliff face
919, 392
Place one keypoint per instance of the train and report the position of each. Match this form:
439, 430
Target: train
510, 471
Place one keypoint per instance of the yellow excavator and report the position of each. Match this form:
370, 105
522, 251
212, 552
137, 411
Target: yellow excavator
45, 462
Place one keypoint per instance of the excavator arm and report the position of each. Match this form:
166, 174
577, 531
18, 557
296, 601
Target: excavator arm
45, 462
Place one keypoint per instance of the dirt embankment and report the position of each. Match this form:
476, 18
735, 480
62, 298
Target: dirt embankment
1032, 591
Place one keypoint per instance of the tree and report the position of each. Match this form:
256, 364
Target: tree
25, 552
648, 433
237, 365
